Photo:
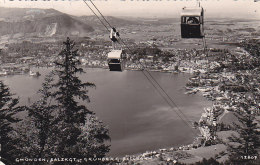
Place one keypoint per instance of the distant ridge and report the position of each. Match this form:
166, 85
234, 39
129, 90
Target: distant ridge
126, 21
43, 22
50, 22
114, 21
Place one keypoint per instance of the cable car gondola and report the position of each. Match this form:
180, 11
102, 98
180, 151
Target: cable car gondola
115, 57
192, 22
115, 60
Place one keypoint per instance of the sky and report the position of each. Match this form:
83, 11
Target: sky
146, 8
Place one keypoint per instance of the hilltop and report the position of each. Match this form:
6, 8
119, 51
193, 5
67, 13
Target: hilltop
41, 22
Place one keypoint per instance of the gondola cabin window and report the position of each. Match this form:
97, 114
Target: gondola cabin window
192, 23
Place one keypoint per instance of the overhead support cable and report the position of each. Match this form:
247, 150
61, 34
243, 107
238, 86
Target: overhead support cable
161, 91
101, 14
96, 15
149, 76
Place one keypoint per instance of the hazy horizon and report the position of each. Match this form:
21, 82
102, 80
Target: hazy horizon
149, 9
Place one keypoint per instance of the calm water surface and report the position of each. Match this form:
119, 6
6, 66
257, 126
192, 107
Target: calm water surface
137, 117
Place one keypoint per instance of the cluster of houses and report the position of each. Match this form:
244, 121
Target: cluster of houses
227, 90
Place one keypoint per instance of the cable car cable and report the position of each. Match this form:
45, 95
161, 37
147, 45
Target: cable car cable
154, 79
187, 123
164, 92
96, 15
150, 76
167, 101
165, 96
101, 14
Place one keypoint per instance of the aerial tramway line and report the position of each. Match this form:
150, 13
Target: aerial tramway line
115, 58
116, 55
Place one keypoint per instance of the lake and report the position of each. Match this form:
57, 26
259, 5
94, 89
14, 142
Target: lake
137, 117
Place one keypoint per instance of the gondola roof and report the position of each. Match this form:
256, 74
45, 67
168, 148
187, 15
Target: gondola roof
191, 11
114, 54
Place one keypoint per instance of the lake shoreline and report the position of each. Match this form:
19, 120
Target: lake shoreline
168, 77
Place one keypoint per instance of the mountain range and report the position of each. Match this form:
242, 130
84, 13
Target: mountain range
43, 22
50, 22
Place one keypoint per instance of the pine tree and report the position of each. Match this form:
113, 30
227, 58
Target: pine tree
8, 108
42, 115
72, 117
59, 125
248, 141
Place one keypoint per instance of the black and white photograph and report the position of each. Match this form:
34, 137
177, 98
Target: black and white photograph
129, 82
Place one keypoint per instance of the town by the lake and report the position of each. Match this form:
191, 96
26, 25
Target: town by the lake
225, 73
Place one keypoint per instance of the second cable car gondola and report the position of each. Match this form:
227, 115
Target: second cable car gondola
192, 21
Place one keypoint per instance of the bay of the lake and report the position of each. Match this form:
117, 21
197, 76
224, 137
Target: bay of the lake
138, 118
